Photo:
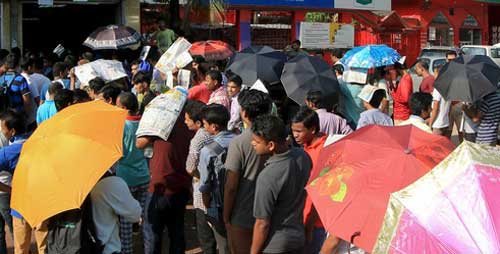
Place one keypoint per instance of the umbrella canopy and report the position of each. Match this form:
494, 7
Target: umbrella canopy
212, 50
259, 62
355, 176
455, 208
468, 78
65, 157
370, 56
112, 37
304, 73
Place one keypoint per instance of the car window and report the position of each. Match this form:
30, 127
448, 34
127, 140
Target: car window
474, 51
433, 53
495, 52
437, 63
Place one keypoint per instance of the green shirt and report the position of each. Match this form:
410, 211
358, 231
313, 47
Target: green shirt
165, 38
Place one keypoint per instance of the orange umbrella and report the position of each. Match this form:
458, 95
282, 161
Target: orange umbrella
212, 50
64, 158
355, 177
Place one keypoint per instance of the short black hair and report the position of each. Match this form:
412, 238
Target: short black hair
80, 96
58, 68
377, 98
215, 75
198, 59
308, 117
96, 84
26, 63
88, 56
337, 53
236, 79
317, 98
216, 114
419, 102
141, 77
38, 63
54, 86
451, 52
423, 64
194, 109
298, 42
129, 101
338, 68
63, 98
254, 103
110, 92
14, 120
270, 128
11, 61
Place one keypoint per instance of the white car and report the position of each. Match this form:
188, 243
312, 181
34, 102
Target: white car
491, 51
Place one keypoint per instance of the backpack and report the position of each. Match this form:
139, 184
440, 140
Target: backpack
4, 92
216, 180
73, 231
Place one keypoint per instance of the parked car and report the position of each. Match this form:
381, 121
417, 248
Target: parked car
433, 63
435, 52
491, 51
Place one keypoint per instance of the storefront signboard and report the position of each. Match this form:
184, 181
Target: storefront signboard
374, 5
286, 3
326, 35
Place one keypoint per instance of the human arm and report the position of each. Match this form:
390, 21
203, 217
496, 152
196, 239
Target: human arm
230, 192
329, 245
143, 142
260, 234
472, 112
203, 170
434, 113
72, 79
5, 188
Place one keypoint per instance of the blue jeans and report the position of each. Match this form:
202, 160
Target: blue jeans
5, 219
319, 236
165, 211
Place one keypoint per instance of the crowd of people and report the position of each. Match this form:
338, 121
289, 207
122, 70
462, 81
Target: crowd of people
243, 156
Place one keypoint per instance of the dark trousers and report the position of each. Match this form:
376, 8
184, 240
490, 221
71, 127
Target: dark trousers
5, 219
205, 234
165, 211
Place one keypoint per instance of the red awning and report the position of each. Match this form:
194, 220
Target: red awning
392, 23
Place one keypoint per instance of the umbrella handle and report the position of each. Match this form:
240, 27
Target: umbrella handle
356, 234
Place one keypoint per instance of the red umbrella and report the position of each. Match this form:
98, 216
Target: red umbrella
212, 50
355, 176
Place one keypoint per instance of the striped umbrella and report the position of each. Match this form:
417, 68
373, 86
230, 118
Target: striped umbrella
212, 50
112, 37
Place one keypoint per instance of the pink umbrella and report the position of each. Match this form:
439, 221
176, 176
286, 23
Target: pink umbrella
455, 208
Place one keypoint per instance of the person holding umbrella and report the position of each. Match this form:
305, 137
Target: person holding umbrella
488, 117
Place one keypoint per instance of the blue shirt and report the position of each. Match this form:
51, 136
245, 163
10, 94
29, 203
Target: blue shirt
46, 111
18, 86
223, 139
9, 156
132, 167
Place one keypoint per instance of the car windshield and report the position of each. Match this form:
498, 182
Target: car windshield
438, 63
433, 53
474, 51
495, 52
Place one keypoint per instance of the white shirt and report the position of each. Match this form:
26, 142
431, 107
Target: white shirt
443, 118
111, 198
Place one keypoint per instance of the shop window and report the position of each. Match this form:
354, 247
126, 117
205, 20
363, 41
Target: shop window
470, 32
440, 32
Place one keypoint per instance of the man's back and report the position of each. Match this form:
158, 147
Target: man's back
46, 111
280, 197
111, 198
488, 127
243, 159
39, 80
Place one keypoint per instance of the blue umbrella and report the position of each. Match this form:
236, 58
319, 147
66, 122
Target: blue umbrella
370, 56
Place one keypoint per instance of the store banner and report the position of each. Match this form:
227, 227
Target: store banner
46, 2
315, 35
372, 5
288, 3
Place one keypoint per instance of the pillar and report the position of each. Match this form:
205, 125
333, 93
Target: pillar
131, 14
5, 25
244, 19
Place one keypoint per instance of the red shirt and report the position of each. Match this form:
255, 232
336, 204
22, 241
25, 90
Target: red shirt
168, 165
427, 85
313, 151
199, 92
401, 98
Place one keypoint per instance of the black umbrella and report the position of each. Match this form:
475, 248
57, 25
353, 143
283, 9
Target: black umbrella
468, 78
112, 37
258, 62
304, 73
